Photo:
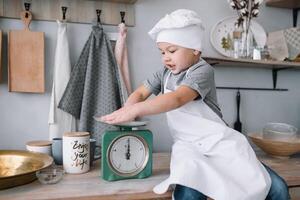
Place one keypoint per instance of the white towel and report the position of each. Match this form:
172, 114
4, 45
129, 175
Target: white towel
60, 121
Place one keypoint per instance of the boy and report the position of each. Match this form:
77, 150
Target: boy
208, 158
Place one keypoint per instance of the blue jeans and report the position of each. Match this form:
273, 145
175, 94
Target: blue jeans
278, 191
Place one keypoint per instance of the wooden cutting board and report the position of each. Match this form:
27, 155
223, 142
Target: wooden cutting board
26, 59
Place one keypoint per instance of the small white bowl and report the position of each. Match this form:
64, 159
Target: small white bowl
50, 175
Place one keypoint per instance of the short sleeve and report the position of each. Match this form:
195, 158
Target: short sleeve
154, 83
200, 79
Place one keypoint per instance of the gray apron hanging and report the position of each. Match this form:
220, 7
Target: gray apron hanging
94, 85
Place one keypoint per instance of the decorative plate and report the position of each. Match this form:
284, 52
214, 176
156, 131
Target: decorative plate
223, 31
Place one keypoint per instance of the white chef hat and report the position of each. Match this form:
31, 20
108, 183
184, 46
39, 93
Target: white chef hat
182, 27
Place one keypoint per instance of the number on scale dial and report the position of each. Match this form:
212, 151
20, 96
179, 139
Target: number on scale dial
128, 155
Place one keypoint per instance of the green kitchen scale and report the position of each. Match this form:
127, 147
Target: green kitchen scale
127, 152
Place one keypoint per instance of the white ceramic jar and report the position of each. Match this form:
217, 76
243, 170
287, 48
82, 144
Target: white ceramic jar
76, 152
40, 146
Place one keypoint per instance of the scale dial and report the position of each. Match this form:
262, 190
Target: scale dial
128, 155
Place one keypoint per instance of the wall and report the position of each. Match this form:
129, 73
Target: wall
24, 117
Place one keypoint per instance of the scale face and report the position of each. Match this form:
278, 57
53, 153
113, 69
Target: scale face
126, 154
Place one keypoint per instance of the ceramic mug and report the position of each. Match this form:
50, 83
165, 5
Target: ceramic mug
57, 151
93, 148
40, 146
76, 152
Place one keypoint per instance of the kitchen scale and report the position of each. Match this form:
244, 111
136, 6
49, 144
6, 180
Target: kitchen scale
127, 152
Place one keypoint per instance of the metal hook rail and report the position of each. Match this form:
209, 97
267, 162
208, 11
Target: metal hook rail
110, 10
247, 88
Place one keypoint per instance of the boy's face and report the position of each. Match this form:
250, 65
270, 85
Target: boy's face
177, 58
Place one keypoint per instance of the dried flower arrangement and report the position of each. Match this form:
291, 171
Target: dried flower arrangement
246, 10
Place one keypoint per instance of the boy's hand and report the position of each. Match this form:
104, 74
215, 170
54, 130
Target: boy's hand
125, 114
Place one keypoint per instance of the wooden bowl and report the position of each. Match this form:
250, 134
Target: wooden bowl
277, 148
19, 167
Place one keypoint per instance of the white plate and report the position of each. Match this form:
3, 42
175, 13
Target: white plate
225, 27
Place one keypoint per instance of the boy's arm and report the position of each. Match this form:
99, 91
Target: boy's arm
140, 94
166, 102
159, 104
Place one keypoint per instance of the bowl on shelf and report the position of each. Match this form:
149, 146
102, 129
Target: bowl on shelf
274, 147
50, 175
279, 131
18, 167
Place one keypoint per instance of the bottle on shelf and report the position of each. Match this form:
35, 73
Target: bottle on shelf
237, 42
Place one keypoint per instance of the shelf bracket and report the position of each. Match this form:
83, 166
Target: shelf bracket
295, 16
274, 75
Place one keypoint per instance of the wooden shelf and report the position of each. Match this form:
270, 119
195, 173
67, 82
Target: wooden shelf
251, 63
274, 65
283, 3
118, 1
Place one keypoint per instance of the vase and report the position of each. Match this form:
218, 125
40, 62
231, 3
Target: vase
247, 40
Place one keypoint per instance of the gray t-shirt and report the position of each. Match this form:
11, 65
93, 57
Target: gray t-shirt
200, 78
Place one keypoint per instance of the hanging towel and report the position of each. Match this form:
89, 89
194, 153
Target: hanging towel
60, 121
121, 57
94, 86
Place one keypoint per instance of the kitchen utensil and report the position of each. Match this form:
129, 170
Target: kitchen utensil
277, 148
279, 131
136, 123
224, 29
19, 167
50, 175
76, 152
238, 123
26, 59
136, 162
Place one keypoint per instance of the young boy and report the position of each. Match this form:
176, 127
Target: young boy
208, 158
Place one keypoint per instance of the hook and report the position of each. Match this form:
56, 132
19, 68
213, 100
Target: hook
27, 7
98, 16
64, 10
122, 13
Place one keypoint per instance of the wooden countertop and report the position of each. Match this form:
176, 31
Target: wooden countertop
288, 169
91, 186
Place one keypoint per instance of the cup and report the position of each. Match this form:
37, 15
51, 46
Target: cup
57, 151
40, 146
93, 148
76, 152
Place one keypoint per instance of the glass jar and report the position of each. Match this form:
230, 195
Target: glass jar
237, 43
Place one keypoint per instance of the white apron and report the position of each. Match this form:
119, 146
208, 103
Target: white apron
60, 121
212, 158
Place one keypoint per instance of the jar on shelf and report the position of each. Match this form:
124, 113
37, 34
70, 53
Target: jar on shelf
237, 43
